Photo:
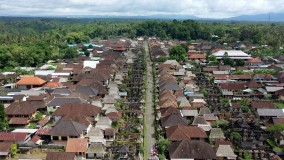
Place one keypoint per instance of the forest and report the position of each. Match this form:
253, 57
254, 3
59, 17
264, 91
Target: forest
33, 41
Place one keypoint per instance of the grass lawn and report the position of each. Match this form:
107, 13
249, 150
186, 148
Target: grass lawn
273, 145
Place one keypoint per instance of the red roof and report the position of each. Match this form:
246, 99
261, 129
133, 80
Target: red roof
77, 145
177, 133
12, 136
35, 138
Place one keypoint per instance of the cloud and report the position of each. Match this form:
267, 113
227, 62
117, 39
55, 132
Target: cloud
200, 8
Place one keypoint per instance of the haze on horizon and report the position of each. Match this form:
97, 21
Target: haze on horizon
201, 8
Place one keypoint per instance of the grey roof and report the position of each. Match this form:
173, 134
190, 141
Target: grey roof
88, 90
59, 101
123, 149
189, 113
270, 112
67, 128
225, 151
96, 148
199, 120
171, 86
173, 120
62, 91
216, 133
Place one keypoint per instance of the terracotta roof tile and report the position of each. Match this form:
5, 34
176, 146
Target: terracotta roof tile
77, 145
31, 81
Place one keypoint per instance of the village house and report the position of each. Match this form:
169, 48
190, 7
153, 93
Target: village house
29, 82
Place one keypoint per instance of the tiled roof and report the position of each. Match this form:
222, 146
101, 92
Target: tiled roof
21, 108
197, 56
177, 133
19, 121
77, 145
12, 136
262, 104
67, 128
60, 156
191, 149
30, 81
43, 131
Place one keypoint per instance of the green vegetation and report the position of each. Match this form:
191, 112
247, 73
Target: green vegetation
38, 116
3, 119
265, 71
32, 126
273, 145
220, 123
14, 150
33, 41
279, 105
275, 127
236, 135
178, 53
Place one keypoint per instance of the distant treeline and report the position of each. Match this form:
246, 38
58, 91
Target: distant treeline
33, 41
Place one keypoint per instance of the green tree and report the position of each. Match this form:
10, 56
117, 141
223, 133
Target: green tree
69, 53
212, 58
3, 119
178, 53
14, 150
163, 145
245, 109
220, 123
236, 135
87, 53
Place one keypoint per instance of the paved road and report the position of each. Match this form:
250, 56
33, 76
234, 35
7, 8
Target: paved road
150, 140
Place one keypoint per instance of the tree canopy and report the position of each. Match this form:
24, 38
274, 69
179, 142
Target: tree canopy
178, 53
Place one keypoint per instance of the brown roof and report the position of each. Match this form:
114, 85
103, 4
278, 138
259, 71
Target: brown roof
253, 84
36, 98
114, 115
278, 120
5, 146
232, 86
60, 156
263, 104
77, 108
211, 69
21, 108
19, 121
43, 130
109, 132
191, 149
178, 133
77, 145
168, 111
30, 81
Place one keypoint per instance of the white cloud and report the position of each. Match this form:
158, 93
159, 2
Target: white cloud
201, 8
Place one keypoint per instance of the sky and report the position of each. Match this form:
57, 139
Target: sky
199, 8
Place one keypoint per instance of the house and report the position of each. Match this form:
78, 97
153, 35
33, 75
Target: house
29, 82
280, 94
104, 123
74, 110
267, 113
96, 135
173, 120
254, 62
24, 109
5, 150
225, 152
66, 129
123, 152
78, 146
264, 77
61, 91
60, 156
96, 151
216, 134
190, 149
178, 133
262, 104
15, 137
196, 57
56, 102
233, 54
